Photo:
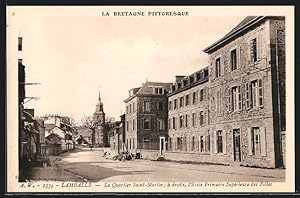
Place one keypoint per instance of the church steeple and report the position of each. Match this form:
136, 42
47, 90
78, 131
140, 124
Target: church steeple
99, 106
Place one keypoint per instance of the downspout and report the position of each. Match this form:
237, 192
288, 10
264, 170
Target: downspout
278, 98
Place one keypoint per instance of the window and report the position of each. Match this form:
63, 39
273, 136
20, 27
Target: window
235, 99
161, 125
219, 102
126, 109
175, 104
127, 125
207, 145
201, 144
20, 43
169, 123
193, 119
186, 120
187, 100
174, 123
133, 124
130, 143
233, 60
179, 143
158, 90
170, 143
170, 105
133, 143
145, 123
181, 102
255, 139
146, 106
133, 107
253, 50
127, 143
193, 144
201, 95
219, 142
130, 108
218, 67
194, 97
254, 94
180, 121
201, 118
160, 106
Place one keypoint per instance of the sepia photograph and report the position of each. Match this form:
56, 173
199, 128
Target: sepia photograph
150, 99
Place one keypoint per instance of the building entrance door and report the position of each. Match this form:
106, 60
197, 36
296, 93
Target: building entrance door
237, 145
162, 142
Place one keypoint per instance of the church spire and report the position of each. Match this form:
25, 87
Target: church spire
99, 98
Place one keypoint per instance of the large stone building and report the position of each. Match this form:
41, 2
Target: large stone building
188, 114
146, 116
100, 137
247, 92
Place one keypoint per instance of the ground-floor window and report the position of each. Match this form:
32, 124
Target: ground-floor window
207, 145
179, 143
201, 143
193, 143
219, 142
255, 136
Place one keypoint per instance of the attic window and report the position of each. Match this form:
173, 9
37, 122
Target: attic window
185, 82
198, 76
191, 79
178, 85
158, 90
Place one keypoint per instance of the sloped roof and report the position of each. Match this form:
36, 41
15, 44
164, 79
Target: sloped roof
147, 87
243, 25
48, 127
84, 131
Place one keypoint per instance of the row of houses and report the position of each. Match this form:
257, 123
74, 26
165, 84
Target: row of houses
231, 111
38, 136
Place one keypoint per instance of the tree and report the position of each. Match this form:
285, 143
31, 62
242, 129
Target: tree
88, 122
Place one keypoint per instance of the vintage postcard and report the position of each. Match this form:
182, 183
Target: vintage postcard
150, 99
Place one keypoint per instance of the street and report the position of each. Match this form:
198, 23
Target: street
90, 165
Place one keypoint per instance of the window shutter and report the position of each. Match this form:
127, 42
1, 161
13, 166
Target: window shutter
260, 92
238, 56
204, 117
247, 96
204, 144
199, 143
262, 131
250, 150
229, 100
239, 98
259, 47
222, 66
215, 142
224, 141
251, 51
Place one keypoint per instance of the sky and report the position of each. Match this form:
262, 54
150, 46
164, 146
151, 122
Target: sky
74, 54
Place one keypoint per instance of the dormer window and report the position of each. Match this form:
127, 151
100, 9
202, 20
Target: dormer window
178, 85
185, 82
158, 90
191, 79
197, 76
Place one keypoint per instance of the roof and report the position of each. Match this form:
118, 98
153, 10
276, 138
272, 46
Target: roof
48, 127
84, 131
242, 26
146, 89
